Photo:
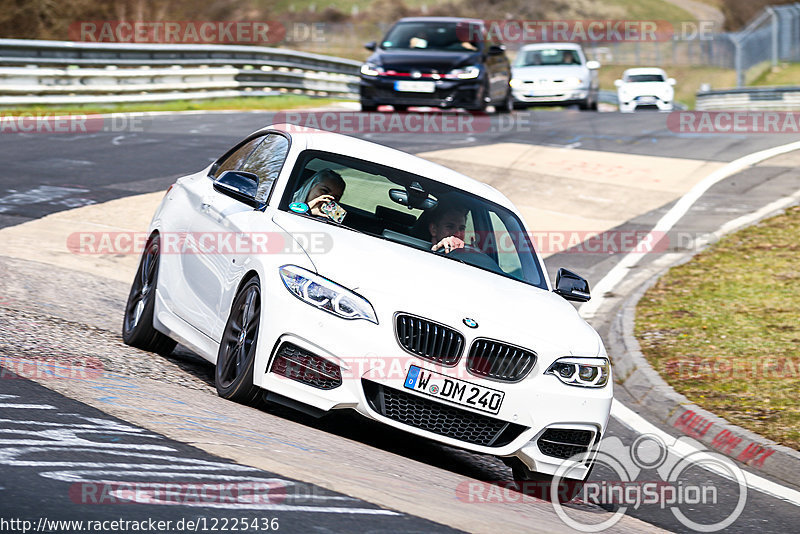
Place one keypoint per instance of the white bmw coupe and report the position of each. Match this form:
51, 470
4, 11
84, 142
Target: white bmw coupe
324, 272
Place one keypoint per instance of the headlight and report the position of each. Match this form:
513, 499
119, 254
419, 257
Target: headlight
584, 372
573, 80
465, 73
326, 295
515, 82
370, 69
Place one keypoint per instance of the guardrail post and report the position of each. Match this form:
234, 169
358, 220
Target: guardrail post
774, 16
739, 69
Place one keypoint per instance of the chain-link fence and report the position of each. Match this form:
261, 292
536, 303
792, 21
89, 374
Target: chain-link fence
771, 37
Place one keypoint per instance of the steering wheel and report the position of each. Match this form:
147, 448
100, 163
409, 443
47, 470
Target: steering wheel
473, 256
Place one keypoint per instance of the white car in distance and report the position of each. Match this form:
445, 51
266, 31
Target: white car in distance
554, 74
645, 88
470, 347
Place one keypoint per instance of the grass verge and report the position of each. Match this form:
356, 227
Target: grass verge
724, 328
783, 74
267, 103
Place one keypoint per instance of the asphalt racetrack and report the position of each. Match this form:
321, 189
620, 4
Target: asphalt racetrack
61, 442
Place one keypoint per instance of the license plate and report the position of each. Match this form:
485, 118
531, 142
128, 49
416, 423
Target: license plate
646, 99
454, 390
415, 87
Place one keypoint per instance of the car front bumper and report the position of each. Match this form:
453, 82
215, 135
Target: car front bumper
550, 95
645, 102
380, 90
369, 357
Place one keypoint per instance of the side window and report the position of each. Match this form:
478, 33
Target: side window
266, 162
234, 160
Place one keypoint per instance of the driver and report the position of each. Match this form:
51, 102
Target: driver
448, 227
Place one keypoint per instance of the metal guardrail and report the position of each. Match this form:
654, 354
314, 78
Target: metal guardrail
61, 72
750, 98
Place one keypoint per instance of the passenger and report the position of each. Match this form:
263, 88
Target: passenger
324, 186
569, 58
448, 227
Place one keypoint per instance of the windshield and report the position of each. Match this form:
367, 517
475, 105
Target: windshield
635, 78
414, 211
452, 36
547, 56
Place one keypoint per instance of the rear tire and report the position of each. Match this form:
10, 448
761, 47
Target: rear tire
137, 325
233, 376
399, 108
368, 107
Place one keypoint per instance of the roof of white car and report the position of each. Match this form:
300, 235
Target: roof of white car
311, 139
540, 46
644, 70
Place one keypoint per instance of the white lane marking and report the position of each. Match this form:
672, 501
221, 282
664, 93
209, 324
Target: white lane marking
28, 406
44, 193
682, 449
117, 140
620, 270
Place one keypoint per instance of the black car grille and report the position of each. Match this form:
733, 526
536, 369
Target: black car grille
499, 361
439, 418
429, 340
298, 364
390, 94
564, 443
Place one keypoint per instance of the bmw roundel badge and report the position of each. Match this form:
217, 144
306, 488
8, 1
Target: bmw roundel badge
472, 323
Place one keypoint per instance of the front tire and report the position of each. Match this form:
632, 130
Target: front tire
233, 376
368, 107
137, 325
507, 105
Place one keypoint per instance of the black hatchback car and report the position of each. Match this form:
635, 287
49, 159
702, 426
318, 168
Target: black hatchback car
441, 62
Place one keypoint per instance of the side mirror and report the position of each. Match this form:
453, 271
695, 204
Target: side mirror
617, 83
496, 50
370, 45
592, 65
239, 185
671, 81
571, 286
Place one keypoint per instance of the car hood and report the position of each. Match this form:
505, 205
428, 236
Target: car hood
399, 278
555, 72
440, 61
646, 88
